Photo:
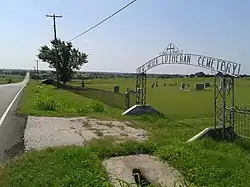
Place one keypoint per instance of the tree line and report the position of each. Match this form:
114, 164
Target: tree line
67, 60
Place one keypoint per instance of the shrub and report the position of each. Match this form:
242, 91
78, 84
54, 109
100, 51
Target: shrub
47, 103
37, 89
82, 111
96, 106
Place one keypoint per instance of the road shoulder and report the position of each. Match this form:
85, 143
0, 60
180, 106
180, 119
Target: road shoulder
12, 133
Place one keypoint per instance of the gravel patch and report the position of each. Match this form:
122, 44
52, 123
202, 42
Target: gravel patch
153, 170
43, 132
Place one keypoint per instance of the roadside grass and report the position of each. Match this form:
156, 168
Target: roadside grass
68, 166
72, 166
204, 163
40, 100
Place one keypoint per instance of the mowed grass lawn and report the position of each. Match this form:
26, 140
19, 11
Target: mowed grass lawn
176, 104
204, 163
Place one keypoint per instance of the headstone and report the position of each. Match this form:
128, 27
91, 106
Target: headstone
199, 87
182, 87
207, 84
116, 89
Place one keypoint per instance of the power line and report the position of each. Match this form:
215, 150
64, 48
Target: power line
103, 20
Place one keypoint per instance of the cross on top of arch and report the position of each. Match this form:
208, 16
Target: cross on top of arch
171, 49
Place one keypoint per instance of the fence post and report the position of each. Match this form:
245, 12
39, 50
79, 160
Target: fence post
215, 102
223, 106
127, 100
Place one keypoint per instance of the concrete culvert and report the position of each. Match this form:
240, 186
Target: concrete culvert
140, 180
145, 168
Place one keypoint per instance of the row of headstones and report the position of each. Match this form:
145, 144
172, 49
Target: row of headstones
199, 86
156, 84
116, 89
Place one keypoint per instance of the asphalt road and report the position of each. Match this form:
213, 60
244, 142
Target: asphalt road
13, 126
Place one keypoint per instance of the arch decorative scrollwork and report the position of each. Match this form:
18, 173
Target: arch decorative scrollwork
171, 50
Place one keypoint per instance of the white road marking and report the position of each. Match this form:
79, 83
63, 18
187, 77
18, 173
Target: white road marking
9, 107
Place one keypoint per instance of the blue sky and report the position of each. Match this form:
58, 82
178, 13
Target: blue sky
132, 37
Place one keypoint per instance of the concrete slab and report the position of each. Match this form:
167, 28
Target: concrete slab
155, 172
201, 134
215, 134
140, 109
43, 132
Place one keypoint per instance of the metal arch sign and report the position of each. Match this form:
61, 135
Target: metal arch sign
172, 55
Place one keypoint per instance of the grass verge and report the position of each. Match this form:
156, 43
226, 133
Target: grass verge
204, 163
40, 100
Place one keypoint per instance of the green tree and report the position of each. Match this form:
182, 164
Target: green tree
69, 58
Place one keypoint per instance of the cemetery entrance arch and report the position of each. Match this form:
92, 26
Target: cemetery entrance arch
224, 71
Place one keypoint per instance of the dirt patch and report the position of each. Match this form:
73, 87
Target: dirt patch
42, 132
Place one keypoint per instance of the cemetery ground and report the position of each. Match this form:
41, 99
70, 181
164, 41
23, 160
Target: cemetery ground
203, 163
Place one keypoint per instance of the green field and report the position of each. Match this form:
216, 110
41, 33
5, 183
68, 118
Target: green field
11, 79
173, 102
204, 163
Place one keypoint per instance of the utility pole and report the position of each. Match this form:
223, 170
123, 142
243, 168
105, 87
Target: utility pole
35, 72
37, 69
57, 67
